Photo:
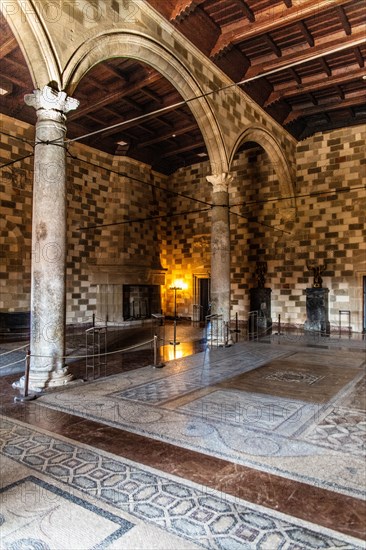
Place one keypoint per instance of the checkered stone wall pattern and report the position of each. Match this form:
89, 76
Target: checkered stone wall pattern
329, 224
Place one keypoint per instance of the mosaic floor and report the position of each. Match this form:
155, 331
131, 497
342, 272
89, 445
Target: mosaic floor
199, 403
53, 490
257, 446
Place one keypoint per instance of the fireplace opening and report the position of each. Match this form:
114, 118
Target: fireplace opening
140, 301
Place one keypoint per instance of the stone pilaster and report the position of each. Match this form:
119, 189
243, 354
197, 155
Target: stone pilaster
48, 292
220, 251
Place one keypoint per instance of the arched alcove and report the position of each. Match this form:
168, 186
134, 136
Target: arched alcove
281, 165
144, 49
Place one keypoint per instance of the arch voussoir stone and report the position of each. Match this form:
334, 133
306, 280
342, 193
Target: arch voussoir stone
149, 51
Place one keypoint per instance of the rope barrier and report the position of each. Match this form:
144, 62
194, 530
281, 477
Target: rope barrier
96, 355
15, 349
11, 364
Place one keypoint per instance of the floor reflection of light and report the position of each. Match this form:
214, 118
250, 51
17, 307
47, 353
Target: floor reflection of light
169, 353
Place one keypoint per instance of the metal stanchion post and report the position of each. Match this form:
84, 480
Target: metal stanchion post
25, 396
156, 364
174, 342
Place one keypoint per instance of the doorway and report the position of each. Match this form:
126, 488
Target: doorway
202, 297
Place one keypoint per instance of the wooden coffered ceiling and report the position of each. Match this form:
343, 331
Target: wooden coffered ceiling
302, 61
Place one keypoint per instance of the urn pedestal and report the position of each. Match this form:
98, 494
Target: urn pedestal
317, 315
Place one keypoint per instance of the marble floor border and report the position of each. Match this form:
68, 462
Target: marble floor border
206, 517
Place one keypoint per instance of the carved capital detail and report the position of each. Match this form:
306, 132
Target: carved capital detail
51, 104
220, 182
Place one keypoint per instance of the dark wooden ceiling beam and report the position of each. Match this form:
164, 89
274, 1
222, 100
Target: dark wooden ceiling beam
183, 8
144, 128
184, 149
234, 63
168, 135
8, 46
305, 31
152, 95
96, 119
249, 14
15, 72
115, 71
303, 55
317, 83
340, 91
358, 98
201, 30
358, 56
93, 83
295, 75
240, 31
325, 66
133, 104
115, 96
166, 123
344, 20
131, 123
259, 90
270, 42
313, 99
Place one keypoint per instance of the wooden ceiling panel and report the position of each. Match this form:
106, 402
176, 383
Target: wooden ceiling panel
288, 37
308, 60
322, 24
222, 13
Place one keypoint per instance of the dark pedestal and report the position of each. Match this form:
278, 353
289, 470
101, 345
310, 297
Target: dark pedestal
260, 302
317, 317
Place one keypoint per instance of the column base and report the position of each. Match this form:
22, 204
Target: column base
43, 380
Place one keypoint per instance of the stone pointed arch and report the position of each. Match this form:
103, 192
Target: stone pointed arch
30, 32
135, 45
281, 165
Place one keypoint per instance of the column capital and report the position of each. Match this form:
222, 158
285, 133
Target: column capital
220, 182
51, 104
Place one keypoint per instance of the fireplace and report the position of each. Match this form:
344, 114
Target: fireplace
140, 301
126, 293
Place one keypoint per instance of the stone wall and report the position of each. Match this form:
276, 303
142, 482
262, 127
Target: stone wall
114, 193
188, 240
100, 190
329, 225
16, 216
334, 227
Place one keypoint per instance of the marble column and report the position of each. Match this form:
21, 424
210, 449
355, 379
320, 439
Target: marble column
220, 254
48, 290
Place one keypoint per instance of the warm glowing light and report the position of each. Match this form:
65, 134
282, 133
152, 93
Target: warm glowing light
178, 285
174, 353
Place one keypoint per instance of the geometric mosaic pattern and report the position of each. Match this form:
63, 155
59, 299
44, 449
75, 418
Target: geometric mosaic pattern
253, 410
342, 429
204, 517
253, 429
291, 377
179, 384
39, 516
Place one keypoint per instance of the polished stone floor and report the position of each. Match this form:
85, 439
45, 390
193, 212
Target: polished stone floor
278, 425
